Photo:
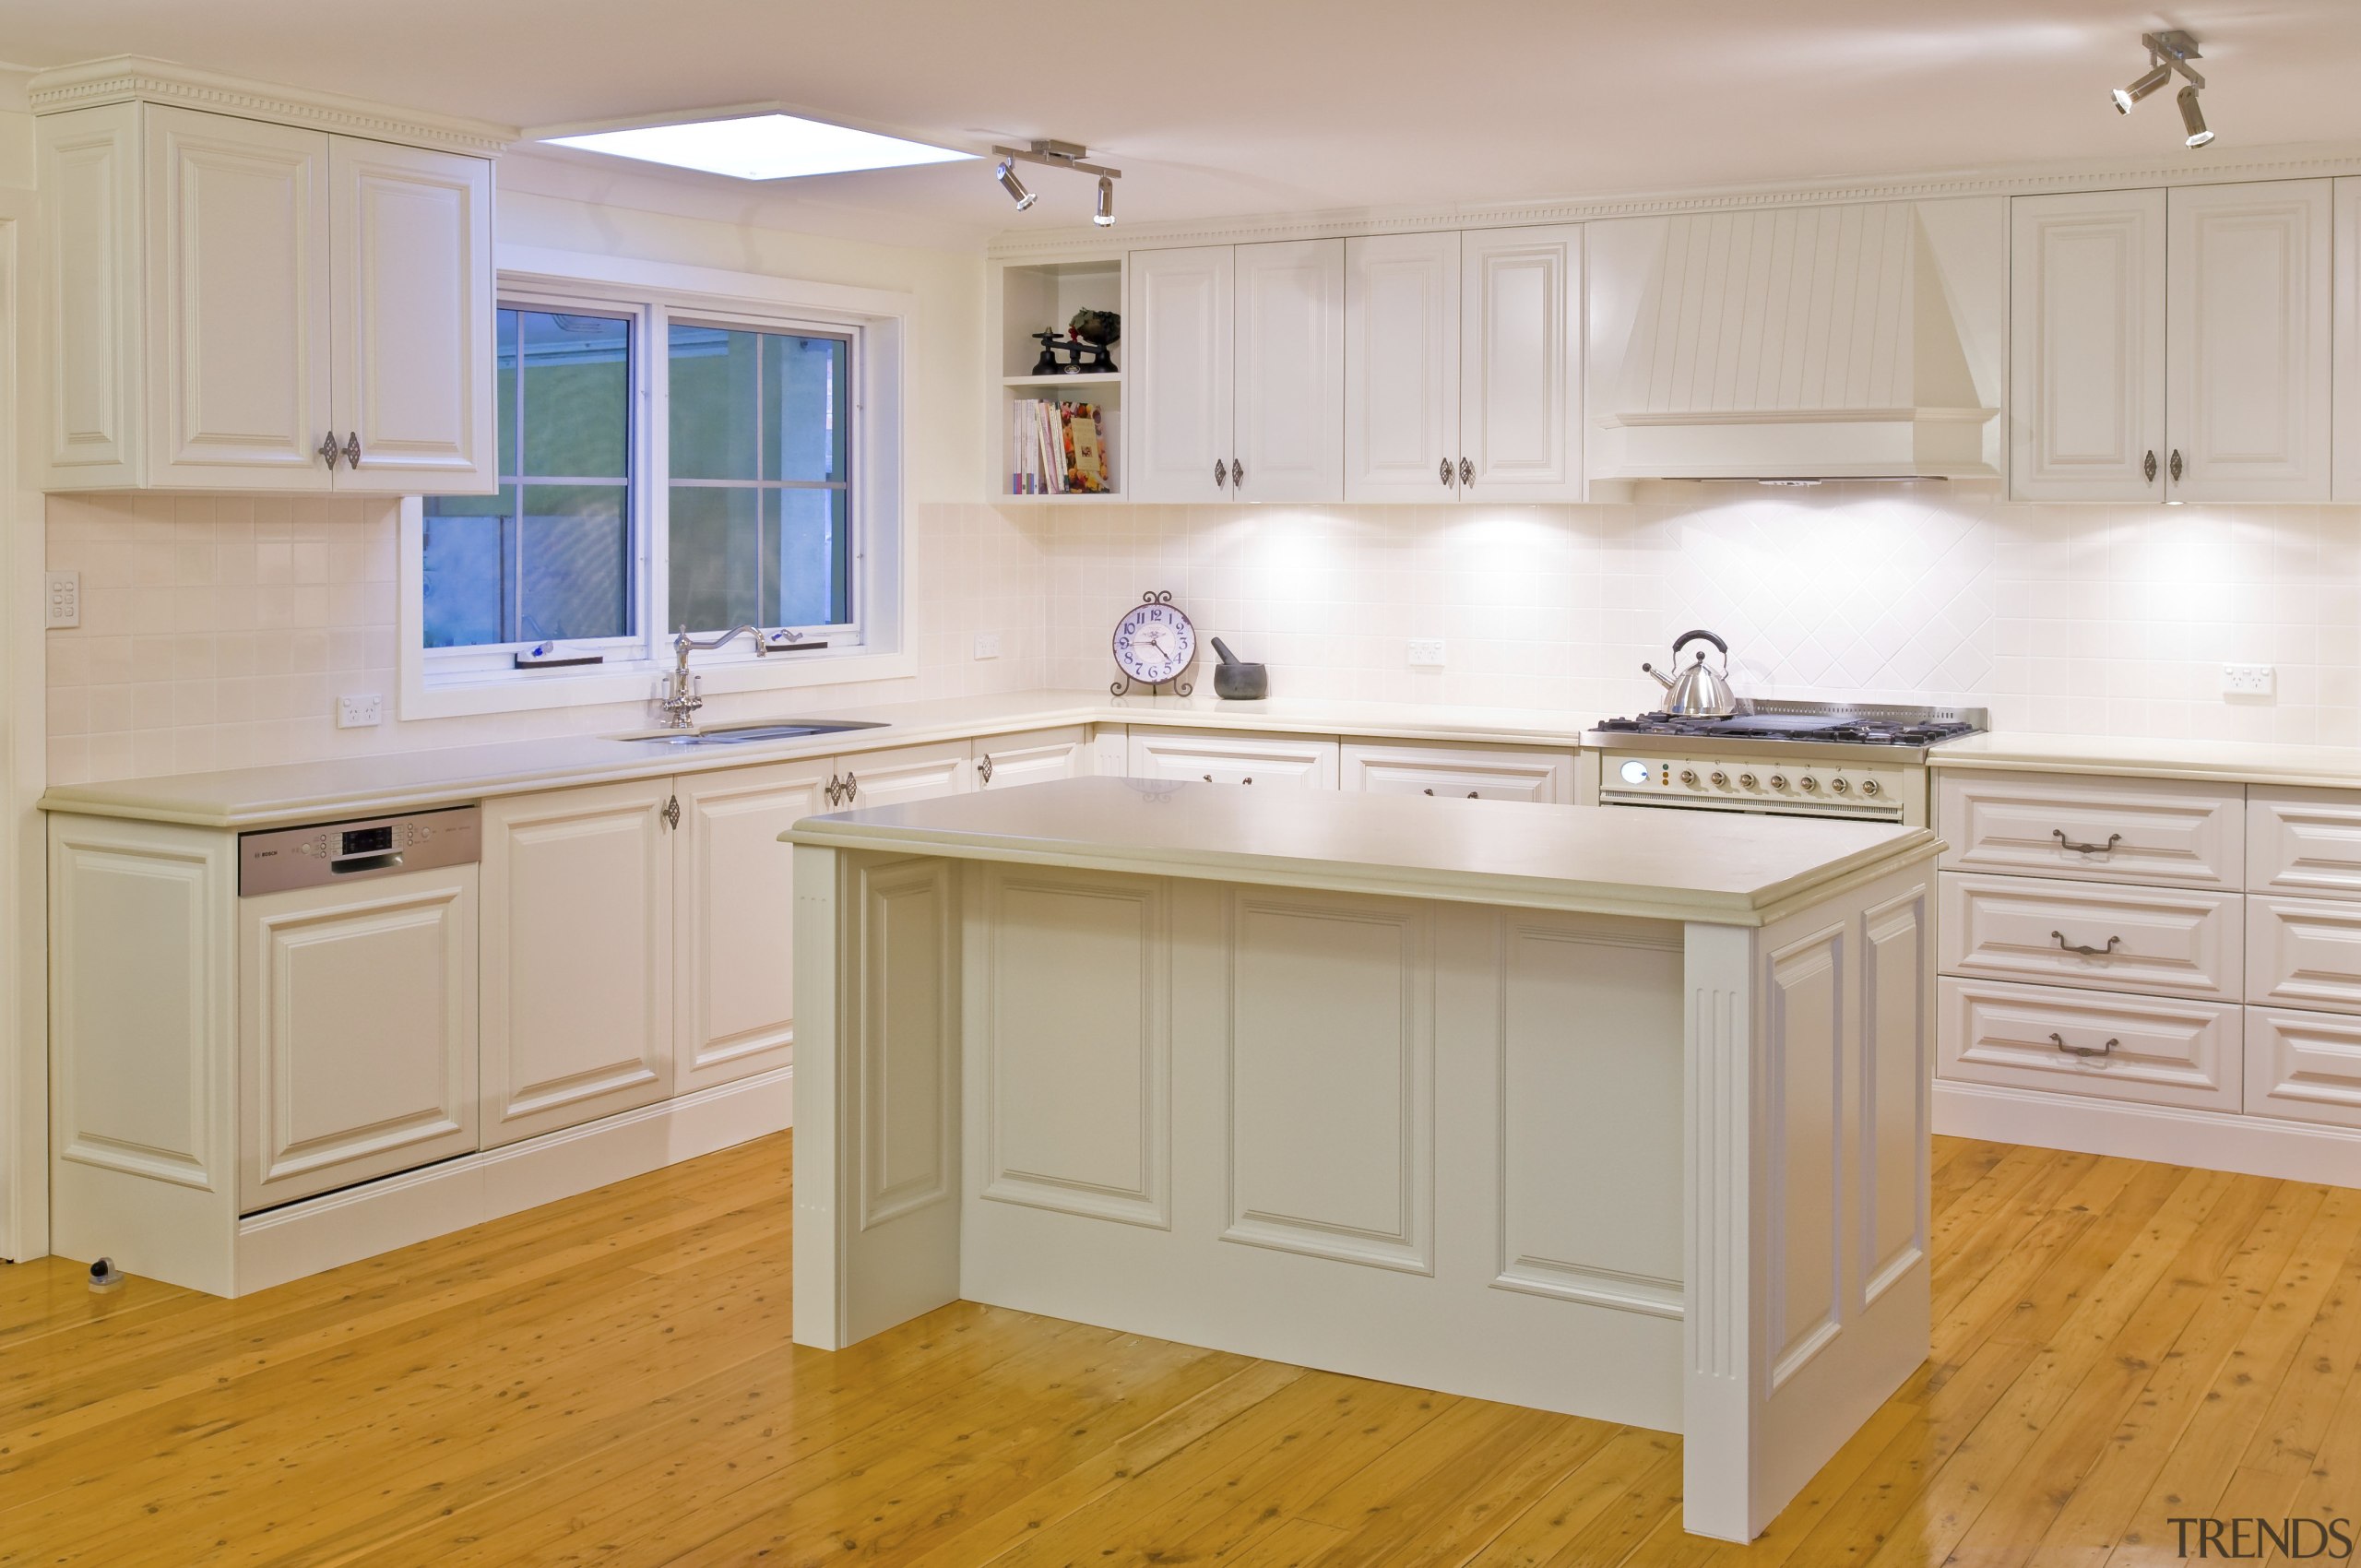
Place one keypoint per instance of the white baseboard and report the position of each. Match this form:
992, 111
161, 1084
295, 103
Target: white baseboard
396, 1211
2209, 1140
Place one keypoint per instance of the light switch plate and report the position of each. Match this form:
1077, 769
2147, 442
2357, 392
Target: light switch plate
2248, 680
987, 645
1425, 653
360, 712
61, 601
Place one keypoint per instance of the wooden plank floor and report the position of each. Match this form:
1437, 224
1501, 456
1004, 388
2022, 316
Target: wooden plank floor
609, 1380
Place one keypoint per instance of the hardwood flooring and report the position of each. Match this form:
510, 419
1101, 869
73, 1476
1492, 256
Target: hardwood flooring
609, 1380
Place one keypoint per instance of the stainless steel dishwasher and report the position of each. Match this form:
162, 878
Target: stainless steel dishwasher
356, 1001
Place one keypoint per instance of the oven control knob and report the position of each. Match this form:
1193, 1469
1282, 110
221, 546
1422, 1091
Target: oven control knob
1748, 781
1872, 787
1721, 779
1689, 777
1842, 786
1811, 785
1779, 781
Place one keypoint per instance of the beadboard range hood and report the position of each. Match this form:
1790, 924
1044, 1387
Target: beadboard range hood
1858, 341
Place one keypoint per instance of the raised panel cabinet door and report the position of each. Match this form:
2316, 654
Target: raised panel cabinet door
1401, 367
413, 306
2087, 346
1032, 756
733, 935
1182, 327
578, 956
904, 774
1211, 757
2345, 313
1289, 442
237, 313
357, 1032
1459, 772
2247, 372
90, 181
1520, 355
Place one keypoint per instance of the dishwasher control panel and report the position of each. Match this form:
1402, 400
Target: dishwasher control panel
285, 858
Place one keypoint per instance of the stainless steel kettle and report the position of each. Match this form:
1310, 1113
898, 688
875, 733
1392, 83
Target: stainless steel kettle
1697, 692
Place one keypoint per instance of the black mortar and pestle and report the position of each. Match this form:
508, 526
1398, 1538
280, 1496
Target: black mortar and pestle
1238, 682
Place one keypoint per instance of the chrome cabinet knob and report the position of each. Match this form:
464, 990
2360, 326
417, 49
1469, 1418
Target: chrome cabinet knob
1444, 472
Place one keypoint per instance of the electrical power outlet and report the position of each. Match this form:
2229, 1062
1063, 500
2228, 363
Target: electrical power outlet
2247, 680
359, 713
62, 603
1425, 653
987, 645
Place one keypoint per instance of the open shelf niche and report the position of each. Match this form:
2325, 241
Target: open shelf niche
1039, 297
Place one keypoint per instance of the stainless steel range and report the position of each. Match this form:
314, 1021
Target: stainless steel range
1780, 758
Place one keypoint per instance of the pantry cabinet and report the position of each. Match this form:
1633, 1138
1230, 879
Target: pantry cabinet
1238, 370
2173, 345
251, 305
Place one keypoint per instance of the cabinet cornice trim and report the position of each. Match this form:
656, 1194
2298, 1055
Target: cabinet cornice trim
2294, 161
130, 78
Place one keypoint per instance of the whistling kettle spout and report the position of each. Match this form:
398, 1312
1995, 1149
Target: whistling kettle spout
1662, 679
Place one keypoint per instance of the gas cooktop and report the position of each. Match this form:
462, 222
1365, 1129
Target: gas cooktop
1809, 723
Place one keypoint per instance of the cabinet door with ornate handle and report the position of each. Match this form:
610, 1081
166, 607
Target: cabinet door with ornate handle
1401, 366
2087, 325
1180, 330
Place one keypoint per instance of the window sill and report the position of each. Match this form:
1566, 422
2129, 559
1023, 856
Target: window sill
426, 696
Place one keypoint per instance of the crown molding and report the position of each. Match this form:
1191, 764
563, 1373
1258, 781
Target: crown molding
131, 77
2304, 160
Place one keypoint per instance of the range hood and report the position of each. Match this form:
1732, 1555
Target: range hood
1855, 341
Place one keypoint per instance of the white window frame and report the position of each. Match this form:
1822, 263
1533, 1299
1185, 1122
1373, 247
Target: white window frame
878, 643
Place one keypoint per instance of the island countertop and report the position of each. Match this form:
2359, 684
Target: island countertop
1716, 868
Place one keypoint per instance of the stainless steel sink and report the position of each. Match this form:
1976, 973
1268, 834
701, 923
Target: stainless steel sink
744, 734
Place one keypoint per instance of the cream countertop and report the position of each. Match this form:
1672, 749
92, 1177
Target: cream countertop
2223, 761
1718, 867
375, 783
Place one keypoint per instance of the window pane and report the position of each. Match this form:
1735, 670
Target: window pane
577, 395
506, 333
803, 407
715, 388
809, 558
574, 562
717, 559
463, 581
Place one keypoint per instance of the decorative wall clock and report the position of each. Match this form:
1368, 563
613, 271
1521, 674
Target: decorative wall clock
1154, 643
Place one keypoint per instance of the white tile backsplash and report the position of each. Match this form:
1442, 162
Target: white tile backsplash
217, 632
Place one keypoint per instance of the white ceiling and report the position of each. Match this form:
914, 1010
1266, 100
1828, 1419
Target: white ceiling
1220, 107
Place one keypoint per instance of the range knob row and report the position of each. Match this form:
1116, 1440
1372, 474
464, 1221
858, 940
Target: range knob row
1810, 783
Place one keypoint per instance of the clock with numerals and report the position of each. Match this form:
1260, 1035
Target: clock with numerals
1154, 643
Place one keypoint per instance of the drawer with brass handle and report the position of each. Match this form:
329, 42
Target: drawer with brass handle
2173, 942
2160, 832
2162, 1051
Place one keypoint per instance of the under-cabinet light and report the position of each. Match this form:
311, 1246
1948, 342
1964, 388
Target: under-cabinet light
763, 146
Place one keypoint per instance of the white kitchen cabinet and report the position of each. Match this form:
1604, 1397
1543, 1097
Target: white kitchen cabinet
242, 297
2173, 345
1213, 756
333, 1094
1488, 773
1239, 373
1520, 419
733, 902
1181, 337
1401, 367
2086, 323
904, 774
2344, 314
578, 956
1032, 756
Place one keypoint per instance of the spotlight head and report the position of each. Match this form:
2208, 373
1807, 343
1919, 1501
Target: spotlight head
2192, 118
1006, 175
2125, 97
1104, 213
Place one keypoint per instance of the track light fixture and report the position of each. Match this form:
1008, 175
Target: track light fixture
1006, 175
1058, 155
2169, 54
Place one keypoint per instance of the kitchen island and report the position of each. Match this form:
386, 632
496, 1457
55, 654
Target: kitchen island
1616, 1113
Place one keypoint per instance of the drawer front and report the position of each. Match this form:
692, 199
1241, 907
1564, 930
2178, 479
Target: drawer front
2305, 841
1474, 772
2303, 953
2146, 830
2157, 1050
1218, 758
2304, 1067
2173, 942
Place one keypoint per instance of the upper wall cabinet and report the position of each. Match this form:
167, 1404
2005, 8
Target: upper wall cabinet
2348, 312
248, 305
1238, 357
1461, 356
2172, 344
